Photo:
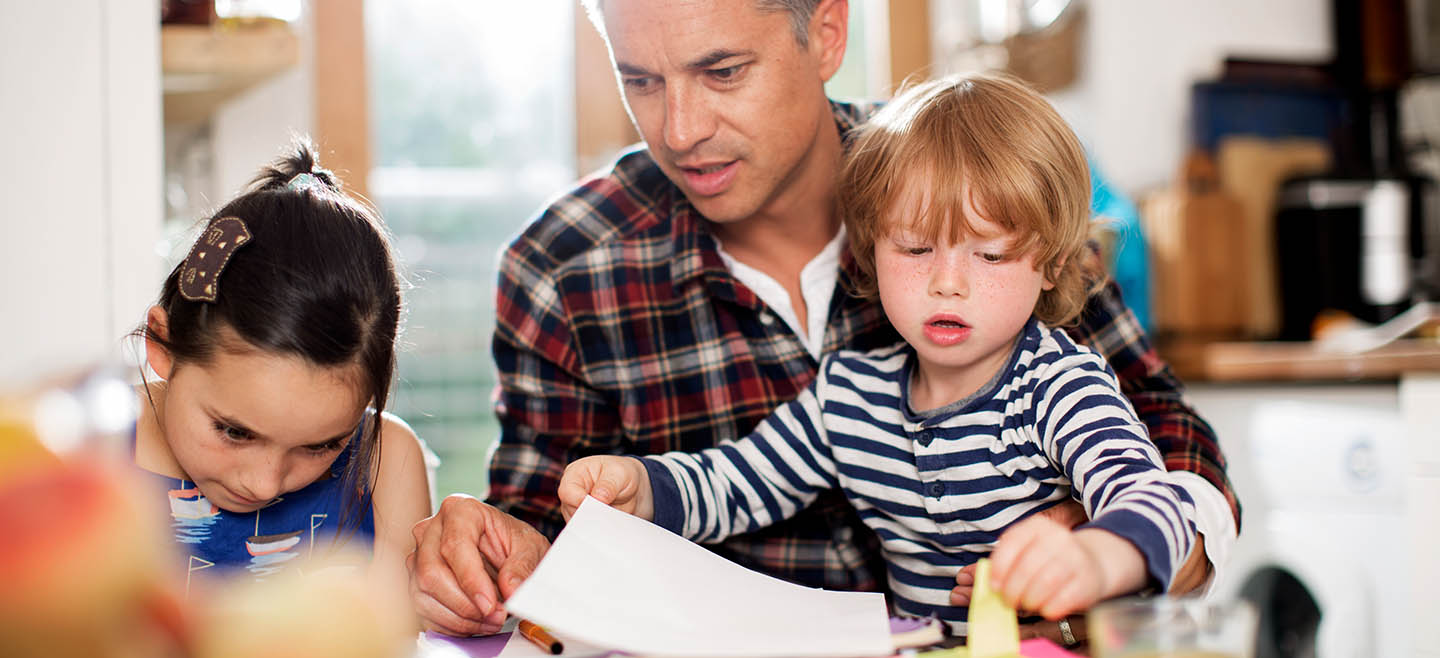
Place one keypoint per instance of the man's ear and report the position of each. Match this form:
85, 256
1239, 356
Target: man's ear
157, 325
829, 30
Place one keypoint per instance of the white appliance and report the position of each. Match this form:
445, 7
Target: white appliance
1322, 474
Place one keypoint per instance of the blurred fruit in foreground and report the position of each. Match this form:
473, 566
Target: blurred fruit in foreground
336, 612
82, 567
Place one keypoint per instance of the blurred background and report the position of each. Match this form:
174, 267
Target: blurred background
1266, 171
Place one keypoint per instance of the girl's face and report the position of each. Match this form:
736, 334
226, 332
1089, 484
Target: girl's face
961, 305
250, 426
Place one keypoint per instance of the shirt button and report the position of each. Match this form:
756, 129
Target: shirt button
936, 489
924, 438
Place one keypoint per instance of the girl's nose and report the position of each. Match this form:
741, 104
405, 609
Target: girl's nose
265, 482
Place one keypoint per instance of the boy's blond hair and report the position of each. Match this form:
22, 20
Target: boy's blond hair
1023, 167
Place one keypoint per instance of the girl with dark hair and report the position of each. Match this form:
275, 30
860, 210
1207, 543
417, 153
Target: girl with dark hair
274, 342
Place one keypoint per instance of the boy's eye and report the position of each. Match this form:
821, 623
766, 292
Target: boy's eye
916, 251
992, 257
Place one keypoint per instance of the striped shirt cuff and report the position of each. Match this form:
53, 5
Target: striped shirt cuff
665, 496
1146, 537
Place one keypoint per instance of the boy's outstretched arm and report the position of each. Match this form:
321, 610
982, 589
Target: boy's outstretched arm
620, 482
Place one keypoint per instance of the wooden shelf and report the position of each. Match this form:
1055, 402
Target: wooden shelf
204, 66
1297, 361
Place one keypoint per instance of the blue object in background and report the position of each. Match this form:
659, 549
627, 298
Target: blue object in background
1129, 265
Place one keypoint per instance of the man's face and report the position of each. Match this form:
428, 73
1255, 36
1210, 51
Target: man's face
728, 101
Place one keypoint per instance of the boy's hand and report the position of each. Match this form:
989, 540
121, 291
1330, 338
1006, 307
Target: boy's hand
1041, 565
1068, 513
620, 482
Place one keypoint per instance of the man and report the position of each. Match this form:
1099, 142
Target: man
675, 300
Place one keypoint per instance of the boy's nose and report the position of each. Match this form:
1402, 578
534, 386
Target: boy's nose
948, 277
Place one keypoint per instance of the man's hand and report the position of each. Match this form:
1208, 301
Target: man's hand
461, 554
620, 482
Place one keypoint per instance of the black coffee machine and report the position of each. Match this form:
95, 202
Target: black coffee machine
1366, 247
1365, 239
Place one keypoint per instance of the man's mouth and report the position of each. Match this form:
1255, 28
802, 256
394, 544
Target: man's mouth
711, 179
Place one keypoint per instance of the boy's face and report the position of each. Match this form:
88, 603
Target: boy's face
728, 102
248, 427
960, 305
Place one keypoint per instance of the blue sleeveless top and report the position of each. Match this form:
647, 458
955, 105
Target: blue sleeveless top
284, 534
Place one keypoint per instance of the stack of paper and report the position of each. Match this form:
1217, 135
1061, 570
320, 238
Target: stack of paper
616, 581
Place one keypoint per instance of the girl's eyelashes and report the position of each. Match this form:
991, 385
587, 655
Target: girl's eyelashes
231, 432
327, 447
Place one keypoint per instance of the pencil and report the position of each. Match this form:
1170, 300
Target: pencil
540, 637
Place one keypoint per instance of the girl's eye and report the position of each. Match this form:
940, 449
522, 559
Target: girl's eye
917, 251
231, 432
992, 258
326, 448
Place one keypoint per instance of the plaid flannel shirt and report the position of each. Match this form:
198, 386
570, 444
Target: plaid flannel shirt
620, 331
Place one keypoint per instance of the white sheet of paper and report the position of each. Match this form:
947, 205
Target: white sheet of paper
617, 581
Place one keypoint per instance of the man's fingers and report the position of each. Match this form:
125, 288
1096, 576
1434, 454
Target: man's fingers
461, 544
441, 619
431, 577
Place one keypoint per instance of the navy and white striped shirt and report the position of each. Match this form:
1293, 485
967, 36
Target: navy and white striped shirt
939, 487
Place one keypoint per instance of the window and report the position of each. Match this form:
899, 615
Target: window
472, 132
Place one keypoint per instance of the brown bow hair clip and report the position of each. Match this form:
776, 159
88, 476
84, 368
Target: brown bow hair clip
200, 275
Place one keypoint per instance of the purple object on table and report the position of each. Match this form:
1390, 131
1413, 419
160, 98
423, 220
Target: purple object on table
485, 646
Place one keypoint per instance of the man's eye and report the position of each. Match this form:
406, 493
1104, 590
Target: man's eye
639, 84
727, 73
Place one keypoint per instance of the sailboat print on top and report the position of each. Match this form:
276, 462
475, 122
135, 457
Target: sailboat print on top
269, 552
193, 513
189, 503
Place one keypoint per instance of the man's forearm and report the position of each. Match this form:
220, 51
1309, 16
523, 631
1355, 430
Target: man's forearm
1196, 570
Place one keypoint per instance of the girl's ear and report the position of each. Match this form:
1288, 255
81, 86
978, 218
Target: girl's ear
157, 325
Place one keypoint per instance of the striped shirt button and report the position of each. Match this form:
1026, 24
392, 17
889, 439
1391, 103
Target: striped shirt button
936, 489
925, 437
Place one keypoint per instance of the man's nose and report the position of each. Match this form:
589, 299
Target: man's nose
688, 118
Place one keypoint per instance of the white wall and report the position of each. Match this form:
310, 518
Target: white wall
1131, 103
80, 203
1138, 60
